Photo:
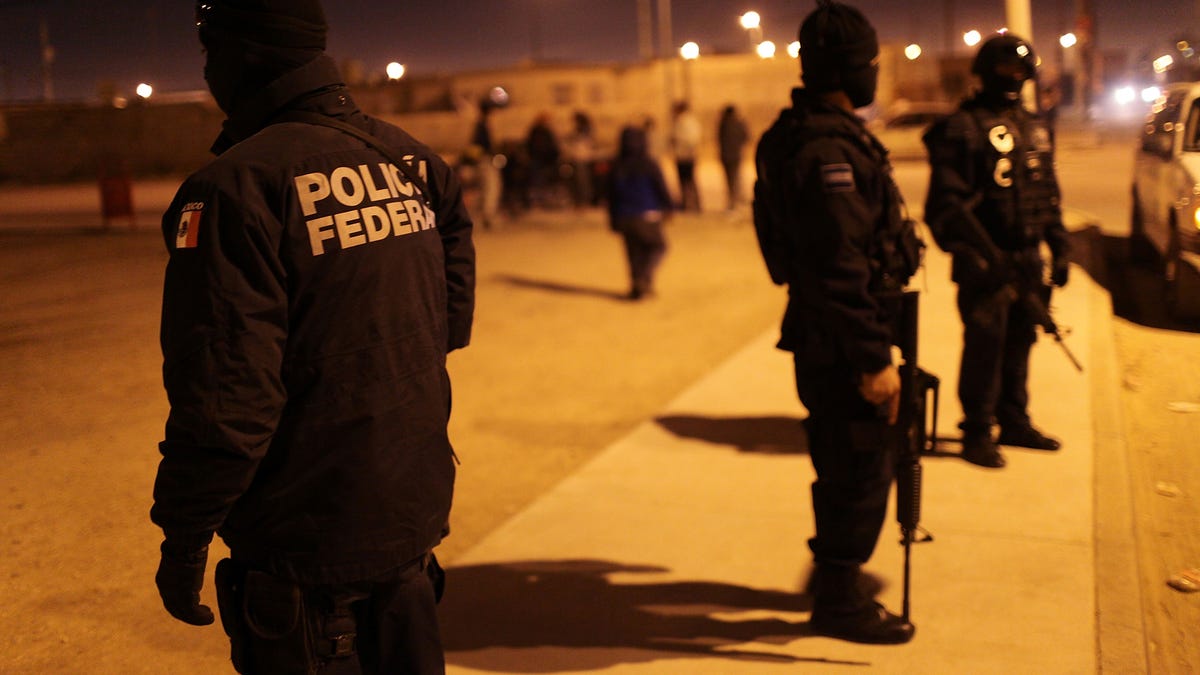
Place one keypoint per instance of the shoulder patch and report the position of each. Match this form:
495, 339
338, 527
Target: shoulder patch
187, 232
837, 177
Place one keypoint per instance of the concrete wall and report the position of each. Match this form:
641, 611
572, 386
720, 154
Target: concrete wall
54, 143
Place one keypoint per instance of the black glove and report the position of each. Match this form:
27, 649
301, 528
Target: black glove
1060, 272
179, 579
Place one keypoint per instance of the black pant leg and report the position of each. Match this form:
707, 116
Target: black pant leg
854, 465
1012, 405
984, 338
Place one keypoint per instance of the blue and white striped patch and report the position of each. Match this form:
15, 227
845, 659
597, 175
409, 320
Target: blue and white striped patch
837, 177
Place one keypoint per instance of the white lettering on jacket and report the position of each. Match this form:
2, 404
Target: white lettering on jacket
352, 206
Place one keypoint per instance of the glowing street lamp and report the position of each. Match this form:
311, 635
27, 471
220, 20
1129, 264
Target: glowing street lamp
752, 22
766, 49
972, 38
395, 71
1068, 40
912, 52
144, 90
793, 49
690, 51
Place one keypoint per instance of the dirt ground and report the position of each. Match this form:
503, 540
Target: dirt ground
560, 366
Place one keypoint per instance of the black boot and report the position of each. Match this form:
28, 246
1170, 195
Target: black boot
980, 449
1027, 436
841, 610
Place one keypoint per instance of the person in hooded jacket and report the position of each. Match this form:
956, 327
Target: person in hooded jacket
830, 219
639, 203
317, 279
992, 179
731, 141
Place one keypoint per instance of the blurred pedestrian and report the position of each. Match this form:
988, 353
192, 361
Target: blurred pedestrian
639, 204
581, 153
541, 145
654, 141
484, 151
731, 140
830, 222
316, 280
685, 144
993, 200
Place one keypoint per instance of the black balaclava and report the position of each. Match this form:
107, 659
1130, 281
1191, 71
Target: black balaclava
1003, 64
251, 43
839, 50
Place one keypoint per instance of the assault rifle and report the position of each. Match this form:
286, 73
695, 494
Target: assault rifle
1014, 287
911, 438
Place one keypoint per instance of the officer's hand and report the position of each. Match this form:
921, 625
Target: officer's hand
179, 579
976, 264
883, 389
1060, 272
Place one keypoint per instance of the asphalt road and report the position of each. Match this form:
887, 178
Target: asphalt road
560, 367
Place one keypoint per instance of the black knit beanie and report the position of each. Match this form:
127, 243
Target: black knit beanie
289, 24
251, 43
835, 39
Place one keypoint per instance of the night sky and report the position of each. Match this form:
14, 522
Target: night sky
130, 41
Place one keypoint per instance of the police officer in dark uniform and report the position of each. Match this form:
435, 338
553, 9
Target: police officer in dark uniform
318, 276
992, 180
830, 221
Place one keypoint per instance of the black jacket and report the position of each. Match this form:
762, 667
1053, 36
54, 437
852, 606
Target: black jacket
826, 183
994, 164
310, 299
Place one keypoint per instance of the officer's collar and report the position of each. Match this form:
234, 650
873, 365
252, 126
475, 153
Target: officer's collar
254, 113
806, 100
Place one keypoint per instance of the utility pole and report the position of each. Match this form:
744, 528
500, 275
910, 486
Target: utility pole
645, 33
665, 53
949, 39
47, 61
1086, 34
1019, 19
535, 32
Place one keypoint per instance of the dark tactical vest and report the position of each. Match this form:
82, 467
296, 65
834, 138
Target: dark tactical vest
1013, 167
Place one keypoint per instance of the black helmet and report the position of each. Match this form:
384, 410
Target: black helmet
839, 51
1003, 64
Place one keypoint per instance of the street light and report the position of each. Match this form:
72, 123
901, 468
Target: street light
395, 71
1068, 40
972, 38
793, 49
752, 22
144, 90
690, 51
912, 52
765, 49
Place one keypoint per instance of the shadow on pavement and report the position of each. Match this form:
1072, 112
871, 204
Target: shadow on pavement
543, 616
558, 287
1136, 285
775, 435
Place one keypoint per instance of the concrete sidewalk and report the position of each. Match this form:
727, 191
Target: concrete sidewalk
681, 548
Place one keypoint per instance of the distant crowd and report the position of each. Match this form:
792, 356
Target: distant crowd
553, 169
